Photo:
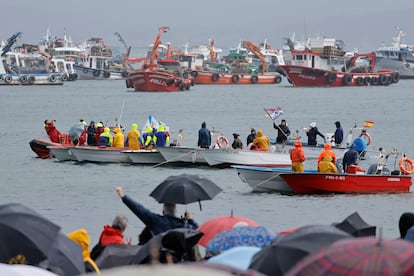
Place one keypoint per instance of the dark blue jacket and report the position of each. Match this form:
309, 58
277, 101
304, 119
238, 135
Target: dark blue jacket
155, 222
339, 134
161, 139
204, 137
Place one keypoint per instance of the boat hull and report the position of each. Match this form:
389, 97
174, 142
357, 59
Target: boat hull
61, 153
99, 154
33, 79
225, 158
157, 81
40, 147
311, 152
86, 73
182, 155
144, 156
216, 78
311, 183
301, 76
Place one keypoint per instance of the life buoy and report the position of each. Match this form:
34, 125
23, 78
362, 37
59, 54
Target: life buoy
406, 165
395, 77
360, 81
367, 137
278, 79
235, 78
31, 79
331, 77
215, 77
8, 79
222, 142
96, 73
23, 79
254, 79
374, 81
106, 74
170, 82
124, 74
347, 79
52, 78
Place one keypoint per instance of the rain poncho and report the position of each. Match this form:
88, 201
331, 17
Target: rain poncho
105, 139
261, 142
133, 137
81, 237
297, 156
119, 138
77, 133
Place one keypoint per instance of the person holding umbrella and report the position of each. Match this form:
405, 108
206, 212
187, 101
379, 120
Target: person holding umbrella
154, 222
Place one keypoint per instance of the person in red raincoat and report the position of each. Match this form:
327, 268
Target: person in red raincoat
52, 131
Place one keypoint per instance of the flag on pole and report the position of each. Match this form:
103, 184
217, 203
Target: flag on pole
274, 112
368, 124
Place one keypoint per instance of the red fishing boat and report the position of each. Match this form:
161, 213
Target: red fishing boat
162, 75
314, 183
328, 65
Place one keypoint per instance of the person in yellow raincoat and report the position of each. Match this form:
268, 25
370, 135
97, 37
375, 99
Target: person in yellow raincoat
327, 151
133, 138
326, 165
119, 138
261, 142
82, 238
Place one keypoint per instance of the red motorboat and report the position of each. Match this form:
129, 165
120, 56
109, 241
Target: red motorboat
165, 75
314, 183
330, 67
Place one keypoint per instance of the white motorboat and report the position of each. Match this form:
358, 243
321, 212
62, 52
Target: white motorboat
144, 156
182, 155
226, 157
99, 154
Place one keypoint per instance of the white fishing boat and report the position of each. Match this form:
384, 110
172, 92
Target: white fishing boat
99, 154
144, 156
182, 155
224, 158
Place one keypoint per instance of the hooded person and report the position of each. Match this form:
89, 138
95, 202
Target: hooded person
98, 131
82, 238
312, 133
339, 134
326, 165
148, 138
327, 151
119, 138
405, 222
133, 138
91, 132
283, 132
204, 136
52, 131
261, 142
237, 143
106, 139
297, 156
250, 138
351, 157
161, 138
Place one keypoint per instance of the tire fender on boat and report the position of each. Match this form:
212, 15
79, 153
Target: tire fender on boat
254, 79
365, 135
170, 82
374, 81
360, 81
222, 142
406, 165
106, 74
8, 79
182, 86
124, 74
235, 78
52, 78
395, 77
23, 79
64, 77
31, 79
367, 80
331, 77
278, 79
382, 79
215, 77
347, 79
1, 78
96, 73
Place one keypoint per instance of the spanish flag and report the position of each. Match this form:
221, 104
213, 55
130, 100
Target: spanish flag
368, 124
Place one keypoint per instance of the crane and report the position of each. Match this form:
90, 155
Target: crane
157, 43
212, 51
127, 48
256, 51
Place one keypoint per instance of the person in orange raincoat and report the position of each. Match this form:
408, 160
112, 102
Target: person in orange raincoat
297, 156
327, 151
261, 142
52, 131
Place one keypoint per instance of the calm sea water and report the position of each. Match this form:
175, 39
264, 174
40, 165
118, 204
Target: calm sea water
82, 196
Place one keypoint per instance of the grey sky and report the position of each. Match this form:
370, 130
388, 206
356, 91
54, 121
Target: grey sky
360, 24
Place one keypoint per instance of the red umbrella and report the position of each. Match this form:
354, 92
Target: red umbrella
218, 224
360, 256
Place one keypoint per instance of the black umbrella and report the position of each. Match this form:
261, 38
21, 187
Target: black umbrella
116, 255
356, 226
177, 242
66, 255
286, 251
25, 236
184, 189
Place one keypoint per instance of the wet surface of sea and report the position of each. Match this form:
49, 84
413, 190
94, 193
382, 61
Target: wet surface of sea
82, 196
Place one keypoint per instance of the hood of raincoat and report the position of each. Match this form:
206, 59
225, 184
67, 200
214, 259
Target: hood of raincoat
298, 144
134, 127
148, 129
203, 124
107, 130
337, 124
161, 128
99, 124
117, 130
259, 133
82, 238
328, 146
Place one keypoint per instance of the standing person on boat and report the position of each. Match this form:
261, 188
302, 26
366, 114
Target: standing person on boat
251, 137
326, 165
157, 223
99, 130
312, 133
204, 136
119, 138
262, 142
237, 143
77, 133
339, 134
283, 132
327, 151
91, 132
52, 131
161, 138
297, 156
133, 140
148, 138
350, 158
106, 139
